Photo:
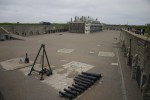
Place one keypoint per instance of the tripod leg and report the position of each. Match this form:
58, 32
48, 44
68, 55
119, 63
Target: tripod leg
48, 61
42, 72
35, 60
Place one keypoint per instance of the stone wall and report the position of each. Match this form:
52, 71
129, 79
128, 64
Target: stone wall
28, 30
136, 49
111, 27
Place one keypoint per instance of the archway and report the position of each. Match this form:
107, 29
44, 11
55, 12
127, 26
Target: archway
144, 79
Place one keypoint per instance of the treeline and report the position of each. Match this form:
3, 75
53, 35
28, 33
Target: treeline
33, 23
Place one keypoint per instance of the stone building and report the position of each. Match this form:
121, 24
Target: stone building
84, 25
136, 49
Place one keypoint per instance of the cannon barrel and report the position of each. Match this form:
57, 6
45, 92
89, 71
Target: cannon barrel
79, 87
71, 92
87, 83
92, 74
89, 77
84, 79
70, 96
81, 84
75, 89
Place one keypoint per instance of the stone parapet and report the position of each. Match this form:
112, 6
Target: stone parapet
137, 49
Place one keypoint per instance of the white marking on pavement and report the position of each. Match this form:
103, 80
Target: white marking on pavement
106, 54
114, 64
122, 78
64, 50
63, 77
91, 52
15, 63
78, 66
64, 60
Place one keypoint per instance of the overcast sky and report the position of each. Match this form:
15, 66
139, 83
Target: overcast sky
107, 11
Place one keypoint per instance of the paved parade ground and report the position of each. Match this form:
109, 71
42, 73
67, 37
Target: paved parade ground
69, 54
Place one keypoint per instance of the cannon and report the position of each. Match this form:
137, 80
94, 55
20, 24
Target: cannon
79, 87
76, 89
88, 77
92, 74
84, 79
71, 92
87, 83
67, 95
81, 84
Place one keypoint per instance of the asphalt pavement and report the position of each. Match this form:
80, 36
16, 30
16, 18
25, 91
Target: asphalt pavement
96, 49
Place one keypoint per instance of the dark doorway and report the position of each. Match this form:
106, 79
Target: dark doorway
144, 80
138, 75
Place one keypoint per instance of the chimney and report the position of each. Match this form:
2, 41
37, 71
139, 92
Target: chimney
75, 19
71, 19
96, 19
82, 18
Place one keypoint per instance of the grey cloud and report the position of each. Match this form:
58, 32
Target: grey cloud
107, 11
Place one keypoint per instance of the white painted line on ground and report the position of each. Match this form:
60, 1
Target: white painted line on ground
114, 64
106, 54
64, 50
122, 78
65, 60
91, 52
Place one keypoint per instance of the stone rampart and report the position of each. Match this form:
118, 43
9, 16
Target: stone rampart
29, 30
136, 49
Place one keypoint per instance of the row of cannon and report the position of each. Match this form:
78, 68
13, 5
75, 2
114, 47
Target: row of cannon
81, 83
